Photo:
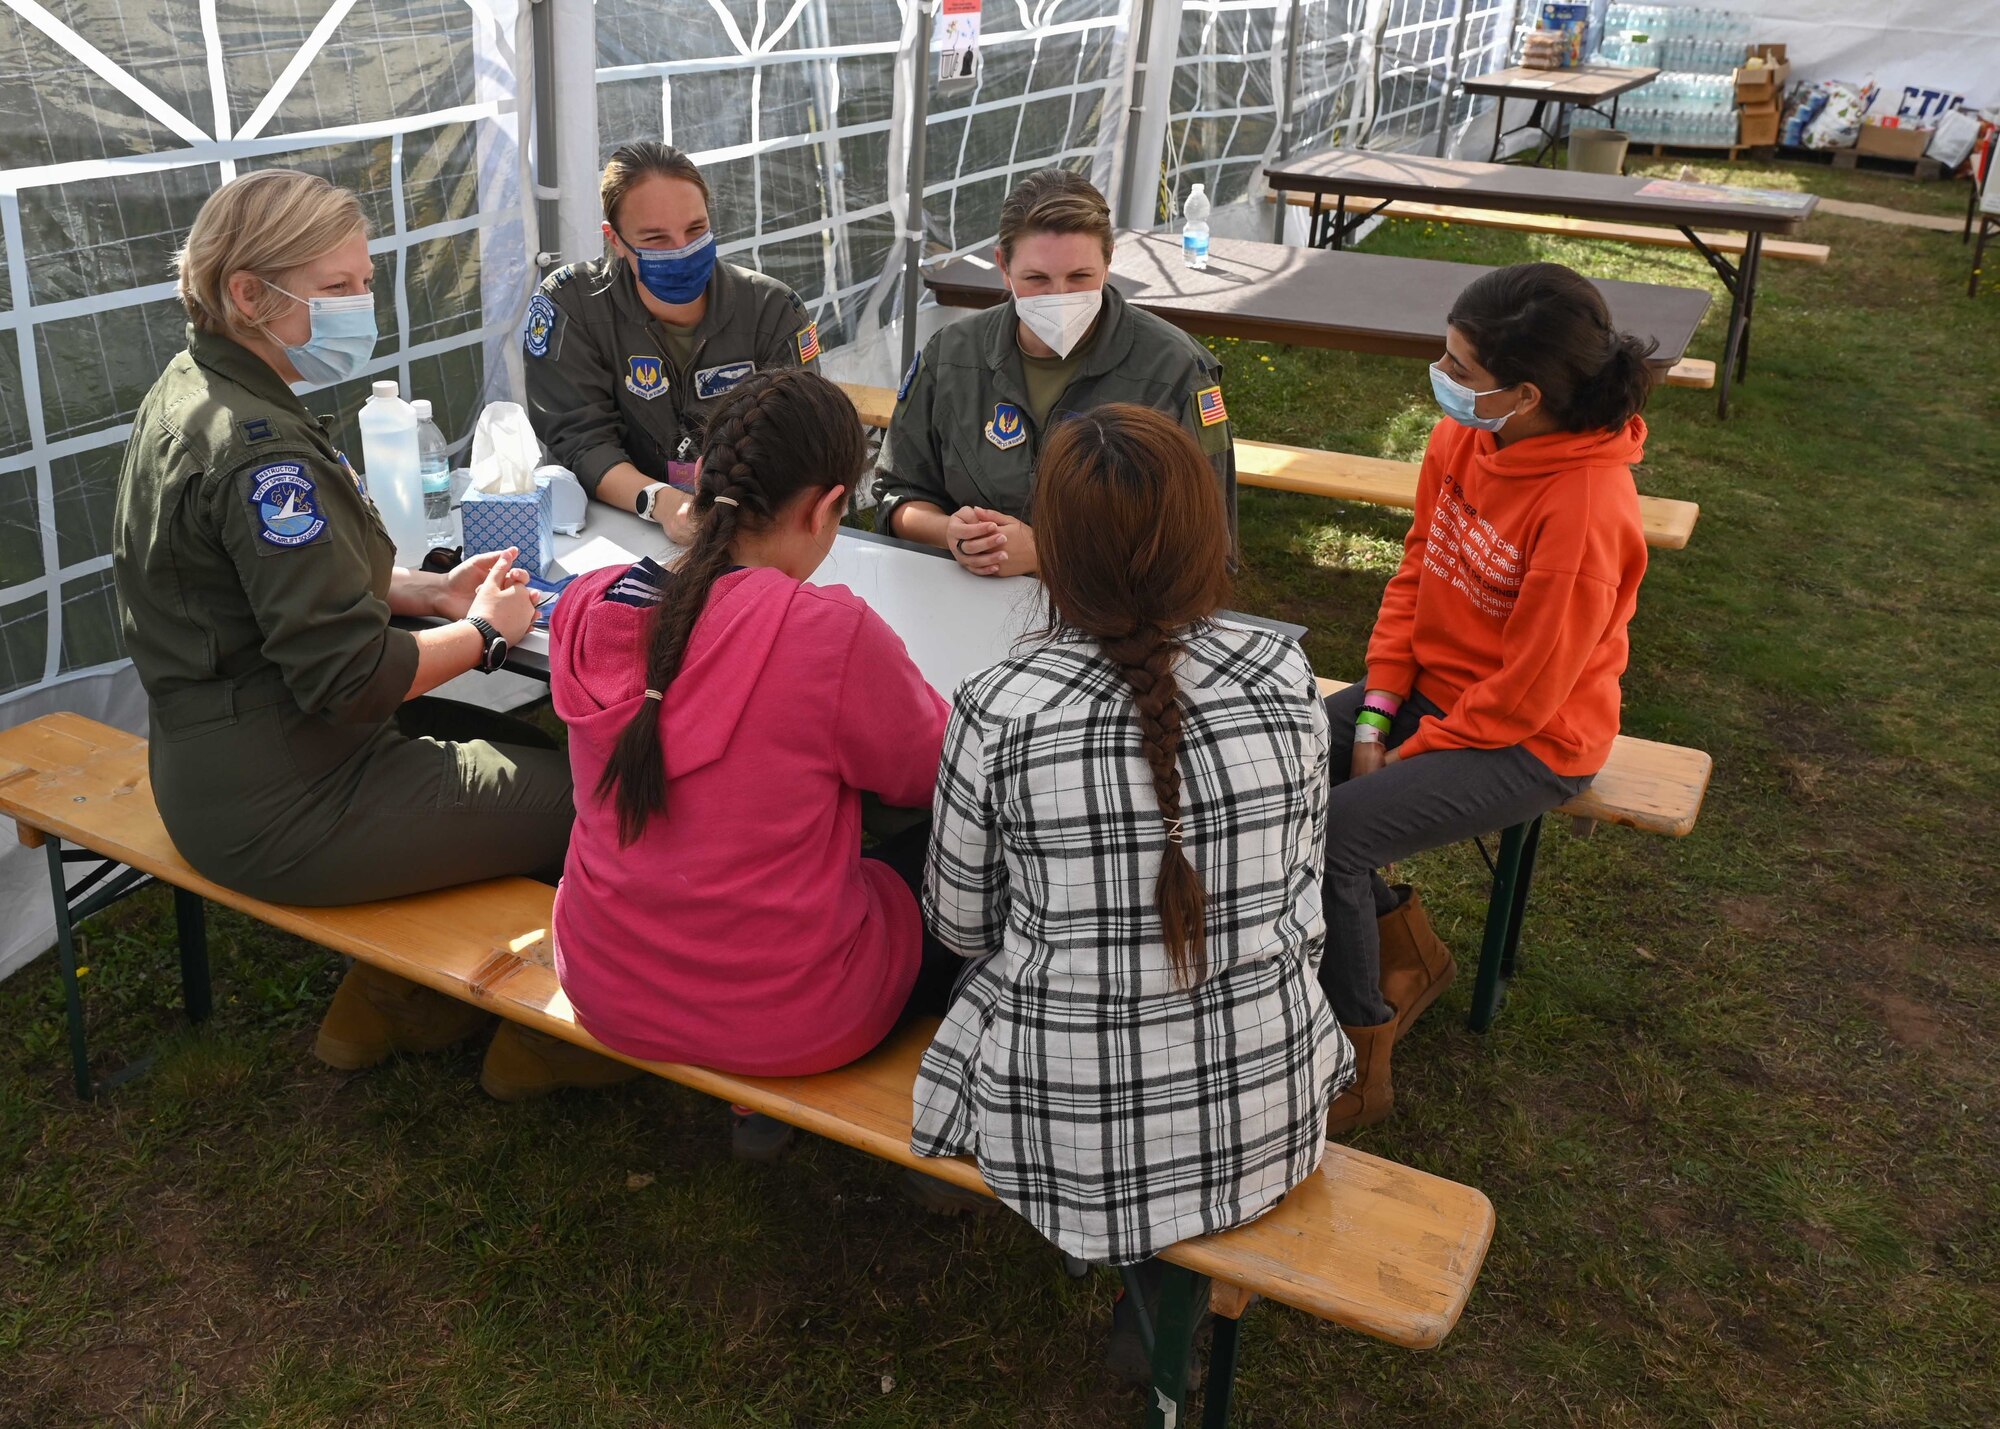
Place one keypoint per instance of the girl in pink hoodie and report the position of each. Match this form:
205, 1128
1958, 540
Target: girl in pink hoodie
724, 719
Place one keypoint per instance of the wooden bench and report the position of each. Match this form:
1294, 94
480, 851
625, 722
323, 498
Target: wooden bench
1655, 788
1643, 234
1375, 480
1365, 1243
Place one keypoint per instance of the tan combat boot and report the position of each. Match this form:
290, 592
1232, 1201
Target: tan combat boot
1369, 1097
375, 1013
1416, 965
524, 1063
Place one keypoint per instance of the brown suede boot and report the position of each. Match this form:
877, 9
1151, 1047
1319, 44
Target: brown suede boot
524, 1063
1369, 1097
1416, 965
375, 1013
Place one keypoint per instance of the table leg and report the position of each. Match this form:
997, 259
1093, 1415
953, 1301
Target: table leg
1221, 1386
192, 928
1499, 119
1339, 222
1979, 255
1314, 238
1750, 270
1491, 985
1182, 1299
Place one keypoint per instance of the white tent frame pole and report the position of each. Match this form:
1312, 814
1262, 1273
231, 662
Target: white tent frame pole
1451, 76
1151, 105
1294, 36
579, 234
920, 104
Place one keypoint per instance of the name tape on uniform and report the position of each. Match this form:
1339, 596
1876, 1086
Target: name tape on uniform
712, 382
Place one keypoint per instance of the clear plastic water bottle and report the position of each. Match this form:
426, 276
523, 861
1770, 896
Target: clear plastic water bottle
434, 467
1194, 232
389, 457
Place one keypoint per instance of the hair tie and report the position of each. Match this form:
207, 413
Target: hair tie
725, 501
656, 694
1173, 831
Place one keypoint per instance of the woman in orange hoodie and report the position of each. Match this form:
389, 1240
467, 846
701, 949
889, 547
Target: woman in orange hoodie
1492, 691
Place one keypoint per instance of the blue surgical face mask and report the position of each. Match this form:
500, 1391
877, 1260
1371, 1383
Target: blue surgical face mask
677, 275
342, 340
1457, 399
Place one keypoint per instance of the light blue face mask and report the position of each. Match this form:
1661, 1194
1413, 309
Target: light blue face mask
677, 275
1457, 399
342, 340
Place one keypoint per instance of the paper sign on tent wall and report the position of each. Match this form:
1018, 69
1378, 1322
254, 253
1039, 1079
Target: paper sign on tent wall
957, 42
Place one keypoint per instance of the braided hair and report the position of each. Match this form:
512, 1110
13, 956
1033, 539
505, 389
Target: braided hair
777, 438
1134, 551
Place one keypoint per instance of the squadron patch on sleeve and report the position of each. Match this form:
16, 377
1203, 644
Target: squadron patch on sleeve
909, 378
285, 505
542, 337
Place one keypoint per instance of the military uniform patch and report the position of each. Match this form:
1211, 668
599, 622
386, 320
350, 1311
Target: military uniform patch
286, 505
1006, 431
543, 329
258, 429
808, 340
1208, 402
909, 378
712, 382
646, 377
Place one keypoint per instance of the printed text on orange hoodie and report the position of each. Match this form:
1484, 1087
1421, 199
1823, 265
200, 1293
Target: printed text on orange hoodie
1518, 579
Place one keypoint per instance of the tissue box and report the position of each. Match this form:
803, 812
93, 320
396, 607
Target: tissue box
493, 523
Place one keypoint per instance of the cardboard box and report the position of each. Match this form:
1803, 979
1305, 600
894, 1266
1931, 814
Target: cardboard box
1757, 124
1892, 141
1762, 85
1769, 54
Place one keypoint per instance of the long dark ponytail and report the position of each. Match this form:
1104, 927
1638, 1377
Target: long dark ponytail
776, 435
1134, 551
1544, 323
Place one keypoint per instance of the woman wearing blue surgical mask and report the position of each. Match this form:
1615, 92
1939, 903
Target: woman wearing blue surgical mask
957, 469
292, 753
627, 356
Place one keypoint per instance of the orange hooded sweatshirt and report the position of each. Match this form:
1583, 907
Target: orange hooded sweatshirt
1518, 579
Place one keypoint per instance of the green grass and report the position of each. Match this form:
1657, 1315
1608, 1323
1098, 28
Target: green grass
1737, 1119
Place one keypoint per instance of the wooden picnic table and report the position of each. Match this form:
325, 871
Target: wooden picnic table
1384, 179
1583, 87
1356, 302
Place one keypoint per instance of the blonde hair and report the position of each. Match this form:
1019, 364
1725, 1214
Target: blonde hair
265, 224
1054, 201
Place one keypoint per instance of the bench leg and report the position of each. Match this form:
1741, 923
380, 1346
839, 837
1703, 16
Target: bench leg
1221, 1387
192, 927
79, 1050
1513, 871
1183, 1297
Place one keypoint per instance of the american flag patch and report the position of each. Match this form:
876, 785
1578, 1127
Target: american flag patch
809, 342
1208, 402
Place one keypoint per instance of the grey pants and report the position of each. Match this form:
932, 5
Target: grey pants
1438, 798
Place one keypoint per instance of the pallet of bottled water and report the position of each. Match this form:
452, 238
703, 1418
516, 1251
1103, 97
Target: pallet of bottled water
1691, 110
1680, 39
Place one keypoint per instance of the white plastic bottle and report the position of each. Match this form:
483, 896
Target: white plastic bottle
434, 469
389, 460
1194, 233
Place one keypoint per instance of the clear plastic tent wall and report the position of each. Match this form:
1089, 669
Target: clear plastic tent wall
116, 122
797, 112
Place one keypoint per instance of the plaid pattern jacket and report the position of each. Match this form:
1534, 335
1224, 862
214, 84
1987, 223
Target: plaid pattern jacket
1116, 1112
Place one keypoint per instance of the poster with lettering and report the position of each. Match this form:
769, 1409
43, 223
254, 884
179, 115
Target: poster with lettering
956, 44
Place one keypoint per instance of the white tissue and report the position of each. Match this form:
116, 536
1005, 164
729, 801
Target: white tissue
505, 451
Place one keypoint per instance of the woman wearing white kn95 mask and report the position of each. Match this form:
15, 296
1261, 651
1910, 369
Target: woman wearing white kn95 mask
957, 469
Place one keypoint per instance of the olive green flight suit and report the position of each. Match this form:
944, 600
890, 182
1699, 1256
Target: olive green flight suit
603, 386
254, 581
963, 433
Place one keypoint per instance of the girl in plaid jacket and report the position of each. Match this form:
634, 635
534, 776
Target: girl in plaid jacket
1129, 826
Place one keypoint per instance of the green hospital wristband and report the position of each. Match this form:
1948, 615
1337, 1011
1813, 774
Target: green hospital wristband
1374, 720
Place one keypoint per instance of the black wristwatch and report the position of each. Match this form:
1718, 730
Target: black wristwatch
643, 504
496, 644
